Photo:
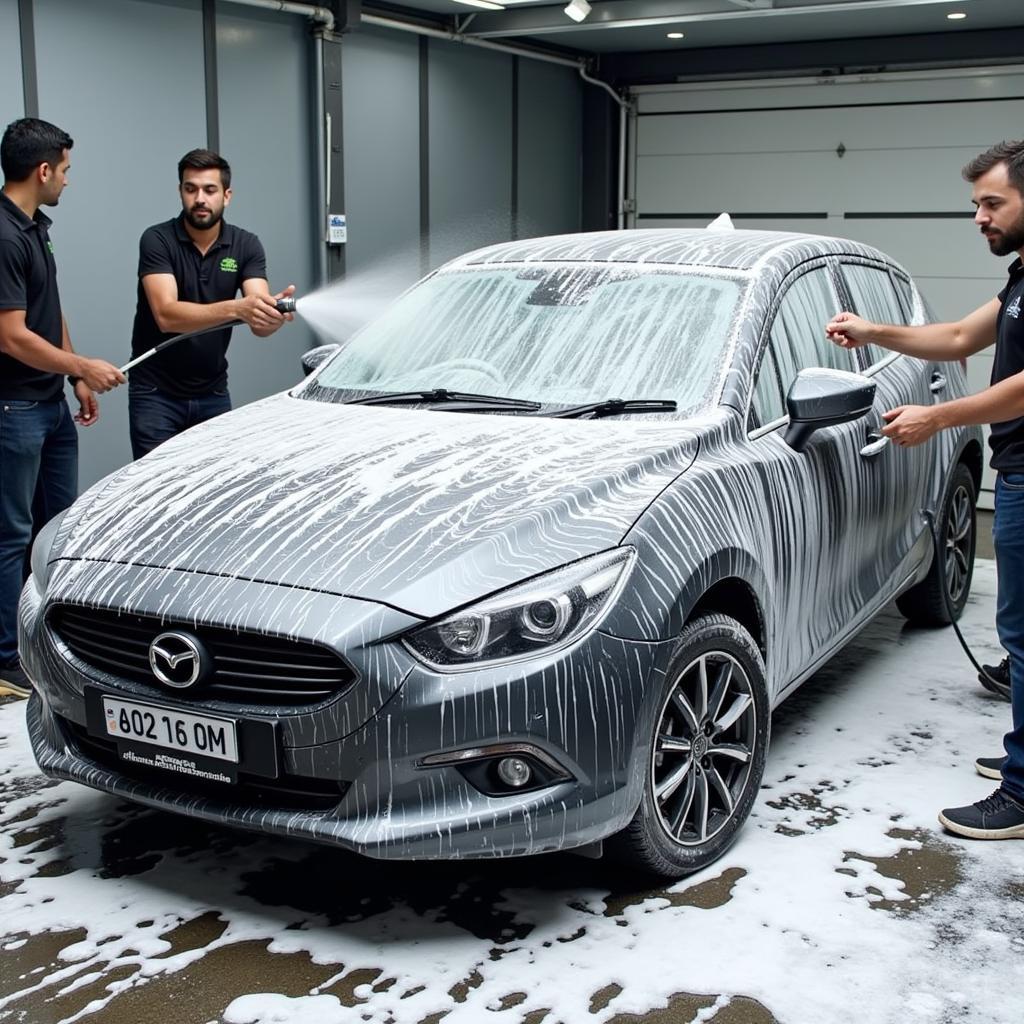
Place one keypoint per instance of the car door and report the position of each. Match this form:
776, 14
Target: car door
828, 500
899, 380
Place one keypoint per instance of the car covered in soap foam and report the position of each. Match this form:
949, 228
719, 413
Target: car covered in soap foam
524, 566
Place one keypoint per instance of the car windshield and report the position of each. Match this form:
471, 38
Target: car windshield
559, 335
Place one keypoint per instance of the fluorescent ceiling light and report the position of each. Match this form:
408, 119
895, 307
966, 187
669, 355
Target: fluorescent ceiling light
676, 35
956, 15
577, 9
487, 5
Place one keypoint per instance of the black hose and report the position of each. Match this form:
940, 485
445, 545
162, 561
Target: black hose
950, 611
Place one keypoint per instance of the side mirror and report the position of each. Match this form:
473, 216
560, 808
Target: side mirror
822, 398
315, 356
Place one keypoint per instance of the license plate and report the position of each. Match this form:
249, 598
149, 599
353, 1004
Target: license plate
203, 735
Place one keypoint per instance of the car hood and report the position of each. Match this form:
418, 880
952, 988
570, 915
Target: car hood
417, 509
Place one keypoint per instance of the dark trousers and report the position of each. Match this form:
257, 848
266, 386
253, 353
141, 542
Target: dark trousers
1008, 540
38, 479
154, 416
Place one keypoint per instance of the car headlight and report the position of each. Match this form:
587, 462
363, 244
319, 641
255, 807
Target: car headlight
39, 561
536, 617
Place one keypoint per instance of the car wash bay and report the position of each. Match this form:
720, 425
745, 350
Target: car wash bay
842, 900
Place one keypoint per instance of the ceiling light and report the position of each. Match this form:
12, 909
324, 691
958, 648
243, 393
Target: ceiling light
487, 5
577, 9
956, 15
676, 35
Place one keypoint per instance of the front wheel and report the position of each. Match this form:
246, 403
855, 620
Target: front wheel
707, 752
948, 583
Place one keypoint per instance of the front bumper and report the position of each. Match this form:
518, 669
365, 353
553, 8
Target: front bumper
589, 708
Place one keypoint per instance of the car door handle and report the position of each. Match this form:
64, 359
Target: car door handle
876, 444
938, 383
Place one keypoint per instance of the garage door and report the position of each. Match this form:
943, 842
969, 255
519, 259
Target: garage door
876, 158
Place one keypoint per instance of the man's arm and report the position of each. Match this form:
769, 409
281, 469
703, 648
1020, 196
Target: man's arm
173, 316
915, 424
17, 341
259, 286
944, 342
88, 407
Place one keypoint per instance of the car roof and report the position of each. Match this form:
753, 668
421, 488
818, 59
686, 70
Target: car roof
695, 247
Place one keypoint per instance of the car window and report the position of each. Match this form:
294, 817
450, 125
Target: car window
767, 404
798, 331
905, 290
558, 334
874, 299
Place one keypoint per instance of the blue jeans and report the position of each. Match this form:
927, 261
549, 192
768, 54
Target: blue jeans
155, 417
1008, 539
38, 479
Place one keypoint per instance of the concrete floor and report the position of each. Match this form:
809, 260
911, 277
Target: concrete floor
842, 902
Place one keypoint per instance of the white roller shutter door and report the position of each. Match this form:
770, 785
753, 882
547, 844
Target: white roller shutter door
876, 158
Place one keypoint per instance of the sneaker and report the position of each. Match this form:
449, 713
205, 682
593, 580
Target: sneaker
998, 816
14, 682
990, 767
996, 678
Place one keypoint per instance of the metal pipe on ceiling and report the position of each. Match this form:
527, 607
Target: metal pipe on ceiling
322, 15
458, 37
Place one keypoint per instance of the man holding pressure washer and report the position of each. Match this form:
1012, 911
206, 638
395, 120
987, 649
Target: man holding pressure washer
38, 441
998, 179
191, 269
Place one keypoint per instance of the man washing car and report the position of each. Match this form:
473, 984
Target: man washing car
191, 269
998, 179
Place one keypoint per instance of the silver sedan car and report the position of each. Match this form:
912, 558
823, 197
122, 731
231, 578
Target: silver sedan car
524, 566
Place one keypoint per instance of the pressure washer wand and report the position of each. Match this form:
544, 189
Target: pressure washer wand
282, 306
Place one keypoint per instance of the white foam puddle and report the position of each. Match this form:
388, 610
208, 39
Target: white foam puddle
879, 741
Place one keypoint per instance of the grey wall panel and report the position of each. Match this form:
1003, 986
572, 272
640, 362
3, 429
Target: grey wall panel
382, 152
125, 79
263, 80
550, 147
12, 103
470, 149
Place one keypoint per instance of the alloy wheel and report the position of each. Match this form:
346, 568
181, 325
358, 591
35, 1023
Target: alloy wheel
959, 542
704, 748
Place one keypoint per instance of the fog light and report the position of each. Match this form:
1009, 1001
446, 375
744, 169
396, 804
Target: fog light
514, 772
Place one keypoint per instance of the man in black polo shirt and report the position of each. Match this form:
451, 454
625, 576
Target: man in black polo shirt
998, 179
38, 442
191, 269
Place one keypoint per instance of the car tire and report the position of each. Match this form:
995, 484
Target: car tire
924, 604
706, 754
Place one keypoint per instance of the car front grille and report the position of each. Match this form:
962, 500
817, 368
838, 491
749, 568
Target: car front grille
286, 793
248, 668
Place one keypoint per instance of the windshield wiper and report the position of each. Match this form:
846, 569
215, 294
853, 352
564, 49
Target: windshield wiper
614, 406
444, 396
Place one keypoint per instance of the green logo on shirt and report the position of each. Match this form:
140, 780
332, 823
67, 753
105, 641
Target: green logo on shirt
49, 245
229, 263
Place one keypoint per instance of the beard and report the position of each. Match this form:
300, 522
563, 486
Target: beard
1002, 243
201, 224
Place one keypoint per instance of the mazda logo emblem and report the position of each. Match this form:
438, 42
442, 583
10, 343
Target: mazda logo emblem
177, 660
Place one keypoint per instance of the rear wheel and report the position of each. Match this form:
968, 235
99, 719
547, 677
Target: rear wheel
949, 577
707, 752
